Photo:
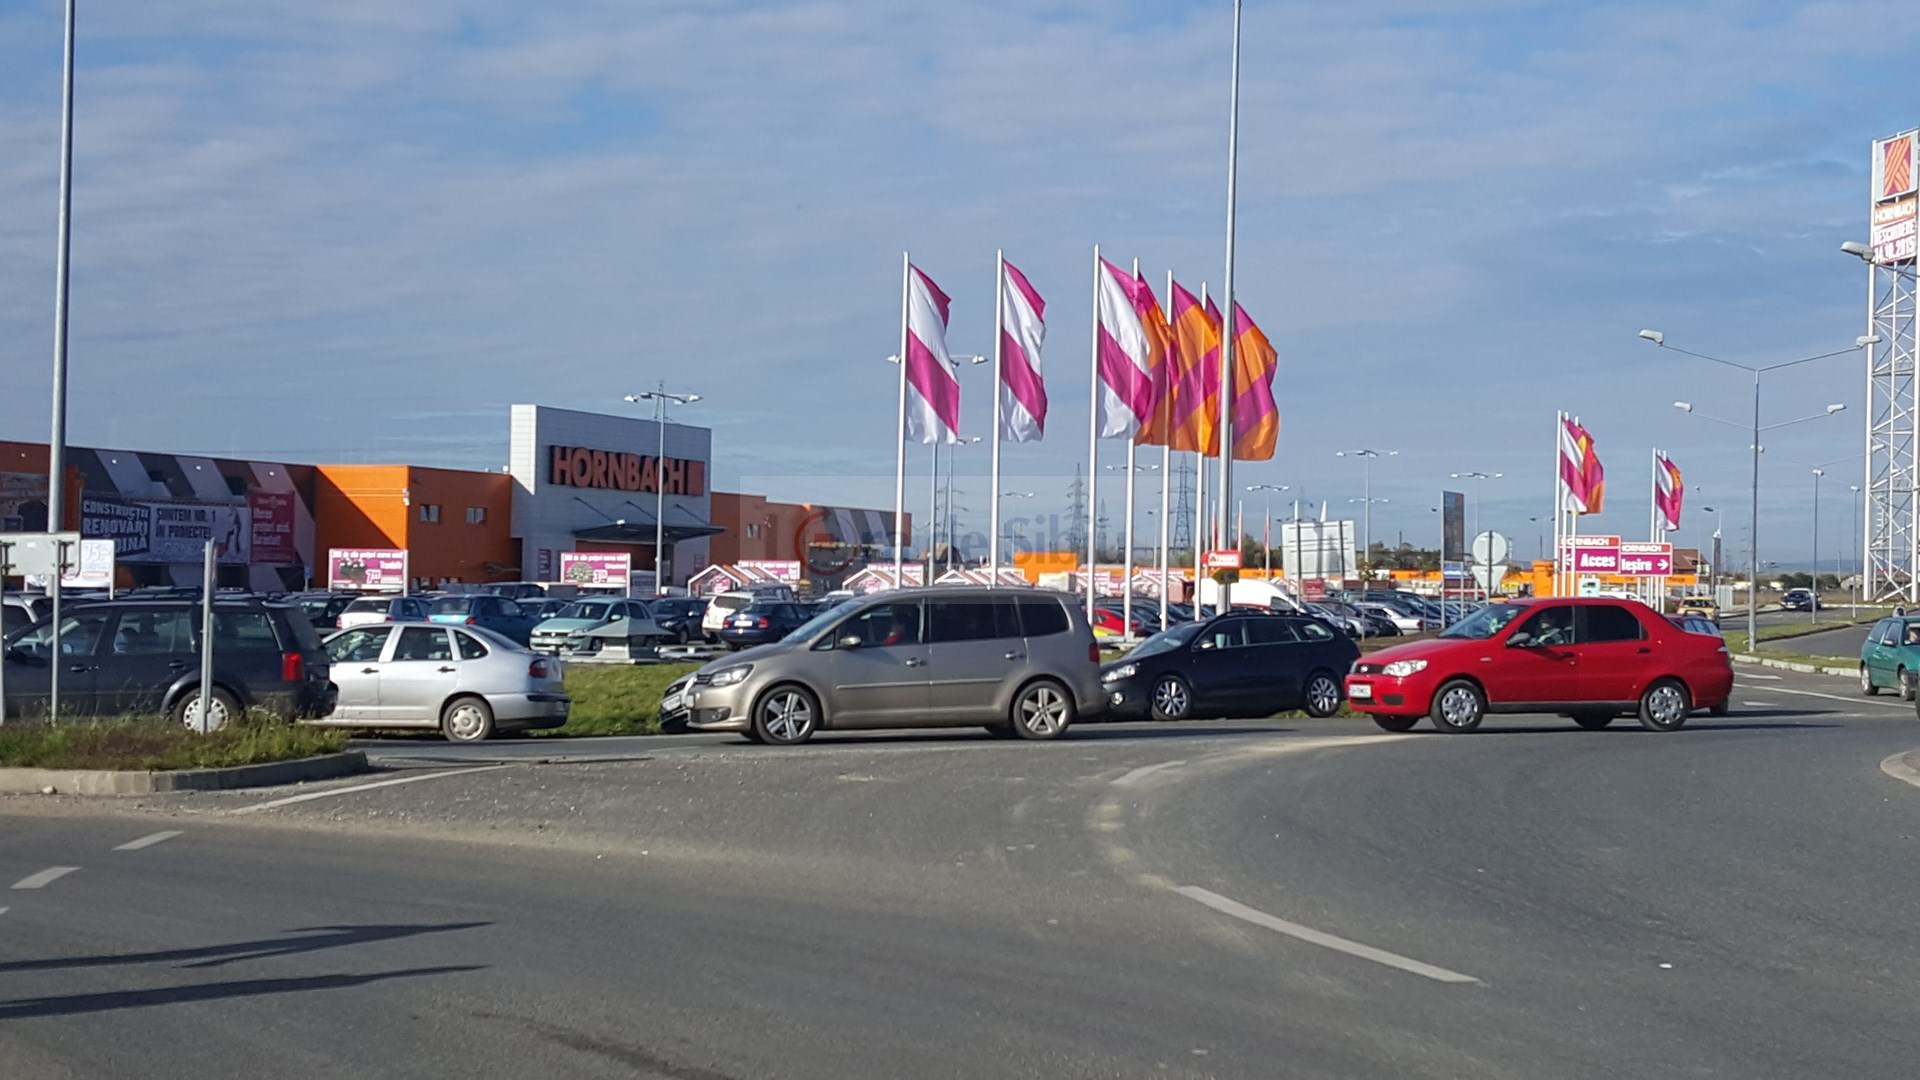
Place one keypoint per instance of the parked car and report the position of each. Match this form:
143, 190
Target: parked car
137, 657
1800, 600
489, 612
763, 622
1704, 606
1110, 622
1694, 624
678, 617
1234, 665
722, 606
466, 681
1022, 662
1369, 623
539, 610
17, 612
529, 590
566, 631
378, 609
1405, 622
1587, 659
322, 609
1889, 656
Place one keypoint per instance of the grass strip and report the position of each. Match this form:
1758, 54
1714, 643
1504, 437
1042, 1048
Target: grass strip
149, 744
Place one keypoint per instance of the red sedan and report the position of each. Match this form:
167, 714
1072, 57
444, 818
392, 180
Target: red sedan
1587, 659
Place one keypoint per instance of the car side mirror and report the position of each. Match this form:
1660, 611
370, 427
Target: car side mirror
850, 641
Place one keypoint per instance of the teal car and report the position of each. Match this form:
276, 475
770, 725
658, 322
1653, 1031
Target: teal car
1891, 654
557, 634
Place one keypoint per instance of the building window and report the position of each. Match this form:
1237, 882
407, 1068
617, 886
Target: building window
753, 532
430, 512
476, 515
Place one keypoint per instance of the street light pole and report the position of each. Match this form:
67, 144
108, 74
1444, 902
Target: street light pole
1479, 495
1813, 610
1860, 575
660, 398
1366, 527
1753, 522
1266, 529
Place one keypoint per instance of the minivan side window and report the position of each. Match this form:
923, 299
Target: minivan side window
897, 623
970, 619
243, 630
1041, 616
1610, 622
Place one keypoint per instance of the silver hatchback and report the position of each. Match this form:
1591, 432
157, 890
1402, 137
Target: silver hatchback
1021, 662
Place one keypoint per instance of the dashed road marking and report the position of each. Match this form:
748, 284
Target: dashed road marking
275, 804
1321, 938
1857, 699
3, 911
1760, 705
1752, 675
41, 879
149, 840
1143, 772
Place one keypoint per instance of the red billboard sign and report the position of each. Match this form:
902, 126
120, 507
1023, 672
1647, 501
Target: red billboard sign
367, 569
273, 517
1223, 559
1646, 560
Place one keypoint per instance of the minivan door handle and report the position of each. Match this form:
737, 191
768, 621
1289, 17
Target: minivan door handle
1016, 656
915, 661
177, 665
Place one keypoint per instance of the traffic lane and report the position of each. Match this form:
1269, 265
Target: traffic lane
1844, 642
1736, 898
325, 956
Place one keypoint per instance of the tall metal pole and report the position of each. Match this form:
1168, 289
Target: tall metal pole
1093, 438
1813, 610
1860, 577
660, 493
1753, 526
1202, 521
205, 723
57, 438
900, 432
999, 388
1166, 472
933, 506
1226, 305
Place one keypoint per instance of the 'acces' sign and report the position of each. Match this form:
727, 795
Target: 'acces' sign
577, 466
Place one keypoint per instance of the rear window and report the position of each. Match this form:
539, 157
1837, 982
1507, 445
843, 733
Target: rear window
730, 603
368, 603
244, 631
1041, 617
451, 605
470, 646
304, 636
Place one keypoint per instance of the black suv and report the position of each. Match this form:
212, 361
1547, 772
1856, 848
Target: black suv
141, 657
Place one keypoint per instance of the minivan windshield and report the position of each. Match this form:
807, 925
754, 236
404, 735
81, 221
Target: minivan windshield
821, 621
1485, 623
586, 609
1167, 640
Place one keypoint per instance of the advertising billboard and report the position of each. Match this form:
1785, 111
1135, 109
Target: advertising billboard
367, 569
784, 571
273, 518
1319, 549
1453, 526
600, 568
1894, 223
169, 532
1646, 560
94, 569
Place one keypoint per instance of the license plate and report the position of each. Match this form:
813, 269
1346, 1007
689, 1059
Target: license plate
670, 703
1360, 691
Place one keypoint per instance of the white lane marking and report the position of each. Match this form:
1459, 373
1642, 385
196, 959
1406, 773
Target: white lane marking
1897, 767
1857, 699
43, 878
3, 911
1759, 704
1751, 675
1143, 772
1319, 937
312, 795
149, 840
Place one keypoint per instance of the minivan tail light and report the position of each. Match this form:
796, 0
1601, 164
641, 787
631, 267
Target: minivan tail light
1093, 651
469, 621
293, 667
537, 669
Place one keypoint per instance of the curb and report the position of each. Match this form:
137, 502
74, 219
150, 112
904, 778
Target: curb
123, 782
1789, 665
1902, 767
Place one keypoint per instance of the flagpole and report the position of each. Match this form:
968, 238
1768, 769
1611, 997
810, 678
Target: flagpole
1093, 438
1126, 561
1201, 519
1166, 461
933, 497
900, 433
1653, 519
999, 381
1559, 427
1226, 306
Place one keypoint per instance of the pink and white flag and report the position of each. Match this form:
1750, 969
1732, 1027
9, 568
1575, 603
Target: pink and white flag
1127, 396
933, 398
1023, 394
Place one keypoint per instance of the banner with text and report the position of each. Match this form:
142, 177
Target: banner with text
367, 569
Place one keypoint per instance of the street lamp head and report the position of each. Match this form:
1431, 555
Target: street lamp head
1819, 472
1835, 407
1855, 488
691, 398
1654, 336
1857, 249
1865, 340
1683, 406
632, 398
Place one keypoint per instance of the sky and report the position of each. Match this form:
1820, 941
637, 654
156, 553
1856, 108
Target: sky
358, 230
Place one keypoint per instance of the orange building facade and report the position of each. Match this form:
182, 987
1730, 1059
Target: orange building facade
455, 525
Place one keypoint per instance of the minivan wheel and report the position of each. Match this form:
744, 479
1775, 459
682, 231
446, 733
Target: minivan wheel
786, 716
1866, 682
186, 711
1458, 707
1664, 707
467, 720
1172, 698
1323, 695
1042, 710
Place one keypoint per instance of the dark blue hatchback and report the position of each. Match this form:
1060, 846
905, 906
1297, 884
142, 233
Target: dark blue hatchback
762, 622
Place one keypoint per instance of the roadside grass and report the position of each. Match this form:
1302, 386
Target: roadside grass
616, 699
1738, 642
144, 744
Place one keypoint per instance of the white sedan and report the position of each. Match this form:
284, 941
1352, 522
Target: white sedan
1405, 623
463, 680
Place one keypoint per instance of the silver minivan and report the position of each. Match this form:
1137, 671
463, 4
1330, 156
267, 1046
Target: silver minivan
1021, 662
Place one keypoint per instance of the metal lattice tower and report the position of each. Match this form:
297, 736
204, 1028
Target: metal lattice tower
1076, 538
1893, 436
1182, 509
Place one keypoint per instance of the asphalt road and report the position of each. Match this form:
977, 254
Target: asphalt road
1231, 900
